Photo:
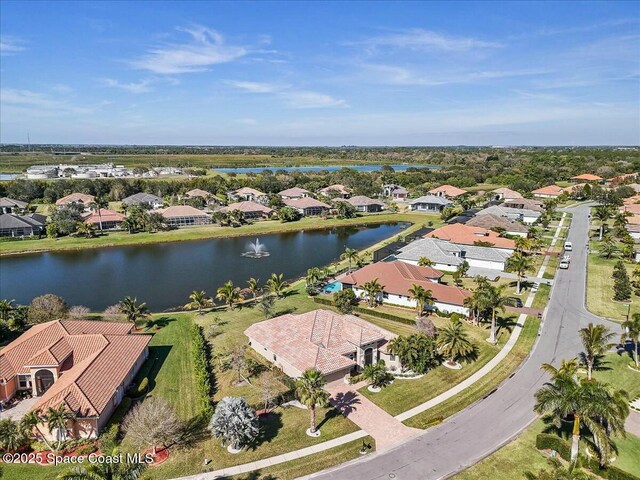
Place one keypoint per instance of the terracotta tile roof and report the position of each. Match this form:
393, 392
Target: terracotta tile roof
588, 177
107, 216
197, 192
448, 190
632, 200
317, 339
294, 192
553, 190
182, 211
633, 208
362, 200
399, 277
507, 192
248, 191
53, 355
466, 234
339, 188
248, 207
304, 202
76, 198
495, 221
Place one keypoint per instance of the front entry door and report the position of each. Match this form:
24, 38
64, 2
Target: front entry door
368, 356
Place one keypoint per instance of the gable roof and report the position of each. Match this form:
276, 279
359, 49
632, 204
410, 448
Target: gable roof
11, 203
247, 206
490, 221
553, 190
105, 216
432, 199
363, 201
304, 202
466, 234
507, 192
508, 212
339, 188
141, 197
294, 192
197, 192
248, 191
588, 177
182, 211
448, 190
76, 198
526, 203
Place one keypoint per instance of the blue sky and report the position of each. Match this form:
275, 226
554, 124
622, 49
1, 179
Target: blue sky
335, 73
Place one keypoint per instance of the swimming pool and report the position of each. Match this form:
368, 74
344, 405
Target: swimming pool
332, 287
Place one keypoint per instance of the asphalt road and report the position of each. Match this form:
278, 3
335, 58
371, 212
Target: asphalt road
479, 430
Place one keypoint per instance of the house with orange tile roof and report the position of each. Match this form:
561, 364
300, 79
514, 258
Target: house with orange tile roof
184, 216
632, 200
103, 219
447, 191
249, 209
81, 199
462, 234
248, 194
337, 345
621, 179
84, 365
397, 278
294, 192
550, 191
307, 206
587, 177
335, 191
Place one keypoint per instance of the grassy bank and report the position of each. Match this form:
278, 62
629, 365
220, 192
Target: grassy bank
600, 290
114, 239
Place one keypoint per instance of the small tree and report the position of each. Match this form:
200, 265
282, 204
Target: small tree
372, 289
254, 287
453, 342
425, 325
112, 312
520, 264
199, 301
133, 310
424, 262
46, 308
78, 312
234, 422
267, 305
277, 285
11, 436
58, 419
350, 255
310, 392
151, 423
345, 300
268, 389
375, 375
621, 283
596, 341
229, 294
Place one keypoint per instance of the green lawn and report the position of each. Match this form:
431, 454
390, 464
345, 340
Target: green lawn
600, 290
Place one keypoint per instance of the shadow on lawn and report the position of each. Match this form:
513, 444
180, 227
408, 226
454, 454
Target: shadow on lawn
159, 322
255, 475
157, 356
270, 425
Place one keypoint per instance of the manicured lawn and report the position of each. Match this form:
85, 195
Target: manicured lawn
618, 375
600, 290
207, 231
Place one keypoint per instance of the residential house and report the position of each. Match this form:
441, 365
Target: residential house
498, 223
184, 216
366, 204
397, 192
84, 365
103, 219
337, 345
13, 225
248, 194
307, 206
505, 194
81, 199
199, 193
447, 191
335, 191
635, 186
550, 191
448, 256
525, 203
144, 200
469, 235
294, 193
632, 200
429, 203
9, 205
521, 214
587, 178
397, 278
249, 209
621, 179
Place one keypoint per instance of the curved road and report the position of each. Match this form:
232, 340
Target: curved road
479, 430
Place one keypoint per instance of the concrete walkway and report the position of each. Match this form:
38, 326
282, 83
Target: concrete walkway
253, 466
386, 430
632, 425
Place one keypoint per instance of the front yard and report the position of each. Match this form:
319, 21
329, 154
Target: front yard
600, 290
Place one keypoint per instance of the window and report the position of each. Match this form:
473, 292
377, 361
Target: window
385, 295
392, 357
24, 381
275, 358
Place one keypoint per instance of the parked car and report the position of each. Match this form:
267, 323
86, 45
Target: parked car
564, 263
568, 246
515, 302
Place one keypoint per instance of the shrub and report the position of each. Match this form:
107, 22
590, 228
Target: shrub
109, 438
200, 354
141, 388
545, 441
621, 282
345, 300
46, 308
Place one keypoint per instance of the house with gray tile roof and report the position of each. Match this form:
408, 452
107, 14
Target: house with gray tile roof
9, 205
141, 199
429, 203
12, 225
520, 214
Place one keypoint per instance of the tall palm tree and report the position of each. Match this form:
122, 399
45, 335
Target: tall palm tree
522, 244
57, 419
6, 307
313, 276
520, 264
631, 329
602, 213
453, 342
30, 422
372, 289
105, 471
350, 255
229, 294
311, 393
592, 404
608, 247
567, 367
496, 300
422, 297
199, 300
277, 285
596, 341
254, 287
620, 221
97, 205
133, 311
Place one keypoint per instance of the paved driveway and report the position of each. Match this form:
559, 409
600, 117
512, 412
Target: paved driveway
477, 431
17, 412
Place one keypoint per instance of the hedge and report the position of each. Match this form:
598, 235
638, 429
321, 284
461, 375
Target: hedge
545, 441
200, 355
368, 311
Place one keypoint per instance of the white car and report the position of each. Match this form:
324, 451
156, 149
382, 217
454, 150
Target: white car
568, 246
563, 265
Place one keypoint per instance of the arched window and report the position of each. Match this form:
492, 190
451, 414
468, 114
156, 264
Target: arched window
44, 380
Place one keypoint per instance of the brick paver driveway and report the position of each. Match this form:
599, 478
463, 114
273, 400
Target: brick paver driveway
18, 411
386, 430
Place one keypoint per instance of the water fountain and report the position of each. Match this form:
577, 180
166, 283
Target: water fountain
256, 250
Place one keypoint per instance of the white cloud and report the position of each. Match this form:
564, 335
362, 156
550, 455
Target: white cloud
419, 39
206, 48
34, 103
291, 97
142, 86
257, 87
10, 45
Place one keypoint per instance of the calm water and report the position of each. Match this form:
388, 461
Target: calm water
330, 168
5, 177
163, 275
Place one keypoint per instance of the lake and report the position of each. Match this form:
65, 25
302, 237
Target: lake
320, 168
164, 274
5, 177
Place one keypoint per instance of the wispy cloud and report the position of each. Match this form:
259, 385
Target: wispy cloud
38, 103
143, 86
205, 48
10, 45
419, 39
290, 96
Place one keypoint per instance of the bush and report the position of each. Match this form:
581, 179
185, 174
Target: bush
86, 449
345, 301
46, 308
109, 438
545, 441
200, 354
140, 389
39, 447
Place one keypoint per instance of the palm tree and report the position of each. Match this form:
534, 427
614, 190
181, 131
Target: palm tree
133, 311
6, 307
350, 255
567, 367
376, 375
608, 247
592, 404
453, 342
522, 244
422, 297
400, 346
229, 294
620, 221
596, 340
631, 329
372, 289
424, 262
254, 287
519, 264
311, 393
313, 276
129, 224
496, 300
57, 419
602, 213
199, 300
87, 230
97, 205
105, 471
30, 421
277, 285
